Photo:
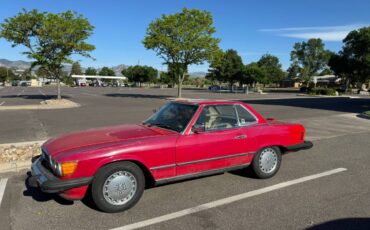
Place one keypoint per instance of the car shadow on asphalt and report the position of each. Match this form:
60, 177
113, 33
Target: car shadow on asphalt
40, 196
343, 224
244, 172
133, 95
347, 105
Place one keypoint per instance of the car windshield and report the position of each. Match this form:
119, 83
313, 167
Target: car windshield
174, 116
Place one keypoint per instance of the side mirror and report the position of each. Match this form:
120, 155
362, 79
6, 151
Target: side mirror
198, 129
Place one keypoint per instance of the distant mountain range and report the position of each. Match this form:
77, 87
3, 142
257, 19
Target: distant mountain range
15, 64
23, 65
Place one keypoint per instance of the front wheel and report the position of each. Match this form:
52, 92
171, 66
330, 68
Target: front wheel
118, 186
266, 162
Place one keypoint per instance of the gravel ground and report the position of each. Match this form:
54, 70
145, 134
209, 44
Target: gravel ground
18, 153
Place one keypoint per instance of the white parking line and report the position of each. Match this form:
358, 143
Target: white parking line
42, 93
227, 200
20, 93
2, 188
2, 103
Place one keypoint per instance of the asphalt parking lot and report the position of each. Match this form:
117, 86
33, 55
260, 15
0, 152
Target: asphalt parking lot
112, 106
328, 200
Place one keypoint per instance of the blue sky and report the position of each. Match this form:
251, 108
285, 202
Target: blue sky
250, 27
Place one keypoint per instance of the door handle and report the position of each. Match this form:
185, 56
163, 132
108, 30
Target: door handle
240, 137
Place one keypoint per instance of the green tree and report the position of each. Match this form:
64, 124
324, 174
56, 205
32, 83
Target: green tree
294, 70
41, 72
356, 50
182, 39
253, 74
174, 71
67, 79
272, 68
140, 74
343, 67
166, 78
26, 75
227, 67
76, 69
50, 39
90, 71
311, 56
105, 71
6, 74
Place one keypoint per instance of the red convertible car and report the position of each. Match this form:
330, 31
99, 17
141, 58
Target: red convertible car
184, 139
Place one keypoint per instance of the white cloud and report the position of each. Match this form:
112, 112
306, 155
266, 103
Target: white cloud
326, 33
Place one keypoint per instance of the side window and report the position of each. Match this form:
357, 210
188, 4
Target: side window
245, 117
217, 117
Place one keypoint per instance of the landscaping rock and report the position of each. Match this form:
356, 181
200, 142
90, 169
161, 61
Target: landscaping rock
18, 153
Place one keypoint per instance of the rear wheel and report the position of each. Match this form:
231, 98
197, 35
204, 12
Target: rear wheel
118, 186
266, 162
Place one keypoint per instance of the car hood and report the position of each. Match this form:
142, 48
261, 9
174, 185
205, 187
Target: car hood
101, 136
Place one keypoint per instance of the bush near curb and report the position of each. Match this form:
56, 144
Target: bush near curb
365, 114
322, 91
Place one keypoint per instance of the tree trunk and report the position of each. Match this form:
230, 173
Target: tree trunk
179, 86
347, 85
59, 95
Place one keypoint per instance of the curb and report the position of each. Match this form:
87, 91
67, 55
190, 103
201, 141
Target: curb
43, 105
16, 166
16, 144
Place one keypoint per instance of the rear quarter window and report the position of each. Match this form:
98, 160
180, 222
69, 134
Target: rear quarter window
245, 117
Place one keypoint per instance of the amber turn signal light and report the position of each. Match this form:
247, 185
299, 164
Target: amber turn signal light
68, 168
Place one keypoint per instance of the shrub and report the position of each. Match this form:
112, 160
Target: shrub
322, 91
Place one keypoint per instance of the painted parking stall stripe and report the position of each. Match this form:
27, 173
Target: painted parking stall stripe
2, 188
227, 200
43, 94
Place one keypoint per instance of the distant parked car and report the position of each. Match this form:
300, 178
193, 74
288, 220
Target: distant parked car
24, 83
216, 88
303, 89
15, 83
184, 139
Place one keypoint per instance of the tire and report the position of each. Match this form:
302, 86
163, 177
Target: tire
117, 186
266, 162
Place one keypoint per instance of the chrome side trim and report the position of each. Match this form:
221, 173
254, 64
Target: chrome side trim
212, 159
163, 167
198, 161
200, 174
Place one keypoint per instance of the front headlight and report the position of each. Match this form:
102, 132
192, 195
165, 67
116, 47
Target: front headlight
55, 167
58, 169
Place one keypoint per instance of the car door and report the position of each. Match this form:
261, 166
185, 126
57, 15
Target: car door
220, 143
